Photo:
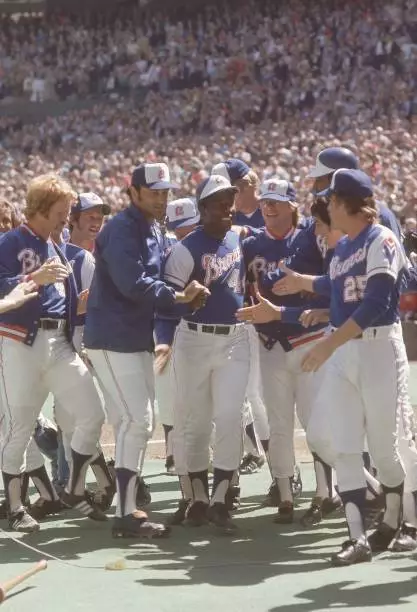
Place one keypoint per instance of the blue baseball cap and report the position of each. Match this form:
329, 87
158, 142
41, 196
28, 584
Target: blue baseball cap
213, 184
347, 182
88, 200
182, 213
278, 190
152, 176
233, 169
331, 159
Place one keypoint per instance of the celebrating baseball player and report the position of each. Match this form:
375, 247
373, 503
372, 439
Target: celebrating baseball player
125, 292
210, 357
37, 336
364, 282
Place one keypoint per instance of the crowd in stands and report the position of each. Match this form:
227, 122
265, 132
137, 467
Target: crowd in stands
269, 81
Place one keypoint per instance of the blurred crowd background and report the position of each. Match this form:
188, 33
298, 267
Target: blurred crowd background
269, 81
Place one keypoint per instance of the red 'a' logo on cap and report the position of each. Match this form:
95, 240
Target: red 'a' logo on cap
161, 173
179, 211
218, 180
272, 187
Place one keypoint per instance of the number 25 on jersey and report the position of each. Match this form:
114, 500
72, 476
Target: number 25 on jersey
354, 288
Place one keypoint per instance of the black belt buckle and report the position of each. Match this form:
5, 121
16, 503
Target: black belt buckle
47, 324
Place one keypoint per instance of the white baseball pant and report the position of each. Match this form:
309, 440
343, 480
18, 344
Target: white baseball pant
128, 380
28, 374
164, 395
253, 392
210, 374
286, 387
365, 387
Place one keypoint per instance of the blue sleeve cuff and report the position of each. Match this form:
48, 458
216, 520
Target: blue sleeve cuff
291, 314
322, 285
165, 330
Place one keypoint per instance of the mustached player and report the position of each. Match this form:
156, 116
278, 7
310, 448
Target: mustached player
210, 359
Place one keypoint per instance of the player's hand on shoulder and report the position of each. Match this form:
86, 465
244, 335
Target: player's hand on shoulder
290, 284
263, 312
315, 316
162, 355
22, 293
82, 302
50, 272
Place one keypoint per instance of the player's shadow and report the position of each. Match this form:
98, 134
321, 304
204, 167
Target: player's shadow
343, 595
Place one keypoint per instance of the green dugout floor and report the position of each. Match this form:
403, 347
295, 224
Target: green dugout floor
265, 568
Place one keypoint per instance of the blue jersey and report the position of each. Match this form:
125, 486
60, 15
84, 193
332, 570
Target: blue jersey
262, 254
165, 325
22, 252
216, 264
126, 289
82, 264
254, 219
388, 219
375, 251
53, 295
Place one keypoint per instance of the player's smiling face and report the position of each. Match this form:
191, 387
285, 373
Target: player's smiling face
217, 213
90, 222
277, 215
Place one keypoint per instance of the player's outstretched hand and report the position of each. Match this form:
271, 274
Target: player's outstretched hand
82, 302
50, 272
319, 354
263, 312
195, 290
308, 318
162, 355
290, 284
22, 293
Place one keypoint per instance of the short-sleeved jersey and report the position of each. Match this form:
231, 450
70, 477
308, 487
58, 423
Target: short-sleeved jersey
254, 219
375, 250
216, 264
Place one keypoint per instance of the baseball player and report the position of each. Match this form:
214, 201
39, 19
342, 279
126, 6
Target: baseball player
210, 359
37, 336
125, 292
283, 344
364, 283
82, 265
182, 218
86, 220
248, 214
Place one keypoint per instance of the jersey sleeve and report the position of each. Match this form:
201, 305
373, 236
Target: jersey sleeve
179, 266
10, 267
385, 255
87, 270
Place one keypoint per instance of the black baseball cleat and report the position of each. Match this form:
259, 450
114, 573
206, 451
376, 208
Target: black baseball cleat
138, 526
45, 507
285, 514
251, 464
313, 515
273, 497
196, 515
232, 498
219, 516
381, 538
352, 552
179, 515
22, 521
101, 499
405, 539
3, 510
170, 466
296, 483
143, 493
83, 505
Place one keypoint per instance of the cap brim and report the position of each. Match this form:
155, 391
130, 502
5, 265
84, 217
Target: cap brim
317, 172
162, 185
324, 193
276, 197
173, 225
219, 190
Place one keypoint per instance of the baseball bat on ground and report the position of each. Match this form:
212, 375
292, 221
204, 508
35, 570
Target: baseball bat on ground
13, 582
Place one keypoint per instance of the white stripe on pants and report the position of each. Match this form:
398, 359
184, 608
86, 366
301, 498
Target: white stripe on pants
128, 380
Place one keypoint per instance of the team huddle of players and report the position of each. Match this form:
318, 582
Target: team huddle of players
237, 313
